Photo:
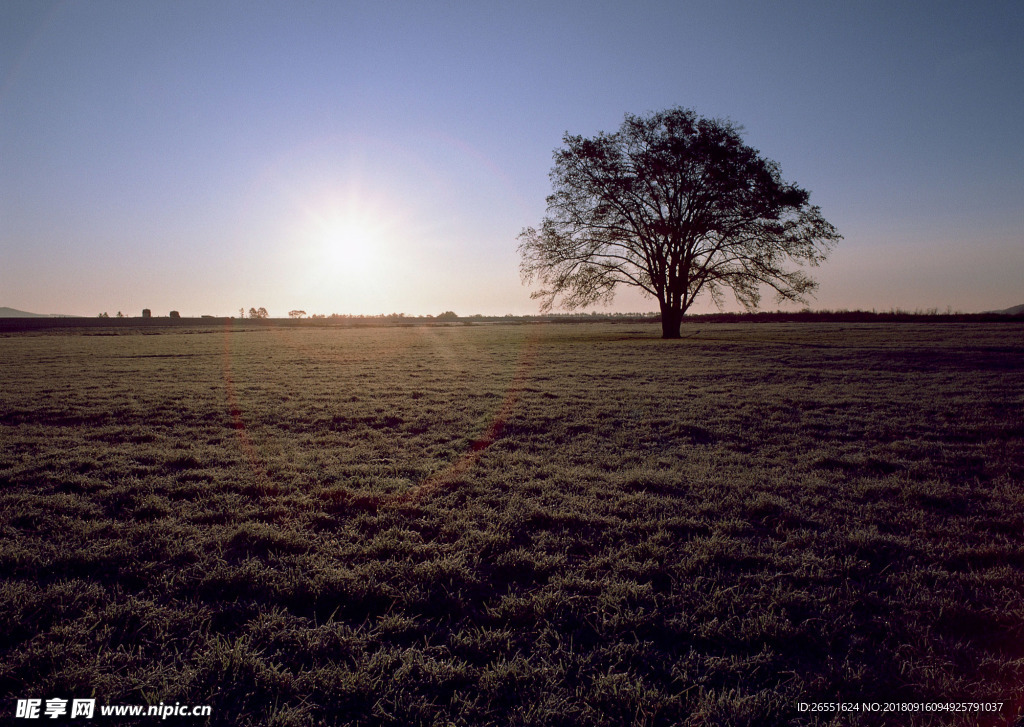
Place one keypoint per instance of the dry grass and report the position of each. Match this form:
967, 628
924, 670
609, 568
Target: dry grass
543, 525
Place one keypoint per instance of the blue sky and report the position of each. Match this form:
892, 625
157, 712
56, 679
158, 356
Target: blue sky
382, 157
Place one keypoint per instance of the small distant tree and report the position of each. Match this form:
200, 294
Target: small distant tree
678, 206
448, 315
241, 312
296, 313
103, 315
175, 314
258, 313
147, 313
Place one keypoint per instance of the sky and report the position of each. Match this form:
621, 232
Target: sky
382, 157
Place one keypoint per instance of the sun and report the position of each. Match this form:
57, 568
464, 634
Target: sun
350, 241
352, 252
350, 244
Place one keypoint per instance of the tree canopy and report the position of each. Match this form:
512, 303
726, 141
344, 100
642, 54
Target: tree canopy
678, 206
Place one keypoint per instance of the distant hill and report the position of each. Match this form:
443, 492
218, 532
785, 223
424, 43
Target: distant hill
1014, 311
14, 313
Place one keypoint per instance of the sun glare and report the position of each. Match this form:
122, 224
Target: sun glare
353, 253
350, 244
350, 241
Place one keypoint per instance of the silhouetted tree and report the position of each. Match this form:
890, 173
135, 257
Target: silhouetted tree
260, 312
296, 313
676, 205
448, 315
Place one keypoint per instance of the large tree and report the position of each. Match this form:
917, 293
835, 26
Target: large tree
678, 206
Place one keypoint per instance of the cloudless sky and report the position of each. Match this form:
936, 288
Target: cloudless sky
378, 157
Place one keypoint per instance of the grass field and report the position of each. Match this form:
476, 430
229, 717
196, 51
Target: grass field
535, 524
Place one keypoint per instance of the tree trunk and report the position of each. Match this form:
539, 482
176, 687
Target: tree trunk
671, 319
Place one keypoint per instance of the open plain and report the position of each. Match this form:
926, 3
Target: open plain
544, 524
